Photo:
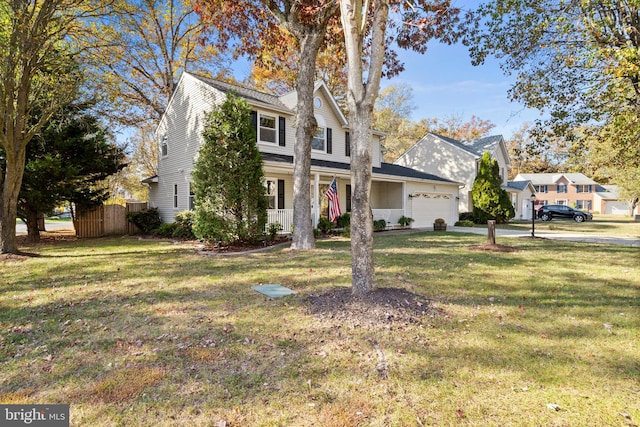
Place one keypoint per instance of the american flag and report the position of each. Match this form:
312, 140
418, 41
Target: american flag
334, 204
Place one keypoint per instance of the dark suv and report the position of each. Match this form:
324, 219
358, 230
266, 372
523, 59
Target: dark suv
548, 212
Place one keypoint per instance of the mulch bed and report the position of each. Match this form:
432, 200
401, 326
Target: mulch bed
240, 247
383, 306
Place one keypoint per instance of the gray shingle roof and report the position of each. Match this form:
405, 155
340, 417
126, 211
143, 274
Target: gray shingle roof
246, 93
518, 185
552, 178
384, 169
476, 147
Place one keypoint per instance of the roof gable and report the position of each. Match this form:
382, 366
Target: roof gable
290, 99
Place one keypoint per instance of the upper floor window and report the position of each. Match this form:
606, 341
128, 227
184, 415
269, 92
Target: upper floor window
319, 140
267, 130
583, 189
540, 188
164, 146
562, 188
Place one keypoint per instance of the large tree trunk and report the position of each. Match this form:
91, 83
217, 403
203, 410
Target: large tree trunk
305, 127
11, 182
362, 268
361, 96
33, 228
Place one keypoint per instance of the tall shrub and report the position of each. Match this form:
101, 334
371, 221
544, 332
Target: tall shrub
489, 200
228, 179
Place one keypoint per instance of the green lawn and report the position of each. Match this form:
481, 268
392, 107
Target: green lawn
133, 332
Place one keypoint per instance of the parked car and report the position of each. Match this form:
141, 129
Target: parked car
548, 212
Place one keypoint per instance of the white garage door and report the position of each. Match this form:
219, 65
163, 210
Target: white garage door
617, 208
428, 206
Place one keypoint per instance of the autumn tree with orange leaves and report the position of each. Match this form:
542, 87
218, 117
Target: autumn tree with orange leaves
300, 26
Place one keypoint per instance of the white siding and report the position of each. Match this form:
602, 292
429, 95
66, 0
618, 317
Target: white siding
442, 159
415, 209
182, 123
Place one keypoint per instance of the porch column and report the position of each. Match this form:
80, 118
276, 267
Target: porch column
316, 200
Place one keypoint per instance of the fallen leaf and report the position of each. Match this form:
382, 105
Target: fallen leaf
553, 406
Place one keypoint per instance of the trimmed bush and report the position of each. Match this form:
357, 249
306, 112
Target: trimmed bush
324, 225
184, 225
344, 220
405, 221
379, 225
147, 220
467, 216
464, 223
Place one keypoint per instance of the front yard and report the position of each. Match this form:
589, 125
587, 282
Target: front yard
133, 332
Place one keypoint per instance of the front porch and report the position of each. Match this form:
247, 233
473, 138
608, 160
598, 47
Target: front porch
285, 217
387, 200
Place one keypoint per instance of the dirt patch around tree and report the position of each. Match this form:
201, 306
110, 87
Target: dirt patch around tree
383, 306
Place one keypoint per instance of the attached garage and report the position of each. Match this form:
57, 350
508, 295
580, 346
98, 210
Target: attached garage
617, 208
426, 207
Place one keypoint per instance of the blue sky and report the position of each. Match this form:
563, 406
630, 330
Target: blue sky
445, 84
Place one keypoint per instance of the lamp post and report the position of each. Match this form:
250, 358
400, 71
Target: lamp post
533, 216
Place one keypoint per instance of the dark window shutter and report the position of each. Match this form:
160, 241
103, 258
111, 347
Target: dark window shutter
254, 121
281, 132
347, 144
348, 194
329, 140
281, 194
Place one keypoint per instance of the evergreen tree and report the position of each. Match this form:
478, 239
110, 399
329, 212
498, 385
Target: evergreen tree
66, 162
489, 200
228, 179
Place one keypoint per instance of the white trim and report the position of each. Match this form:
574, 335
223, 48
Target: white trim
276, 131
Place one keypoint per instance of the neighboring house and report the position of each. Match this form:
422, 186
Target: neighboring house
460, 160
572, 189
520, 193
606, 200
395, 190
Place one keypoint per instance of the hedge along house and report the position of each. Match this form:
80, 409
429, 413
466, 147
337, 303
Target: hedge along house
396, 191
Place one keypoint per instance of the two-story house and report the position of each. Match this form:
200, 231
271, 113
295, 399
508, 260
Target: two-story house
459, 161
572, 189
395, 190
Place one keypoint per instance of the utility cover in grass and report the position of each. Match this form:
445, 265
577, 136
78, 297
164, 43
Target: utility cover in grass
273, 291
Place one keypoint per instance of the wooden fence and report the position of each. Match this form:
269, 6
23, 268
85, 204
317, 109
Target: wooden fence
106, 219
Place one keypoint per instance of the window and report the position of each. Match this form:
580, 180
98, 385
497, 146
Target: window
164, 146
271, 192
317, 102
319, 141
583, 204
267, 129
583, 189
540, 188
192, 198
175, 195
562, 188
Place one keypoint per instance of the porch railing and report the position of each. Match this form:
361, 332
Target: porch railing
282, 216
285, 217
389, 215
